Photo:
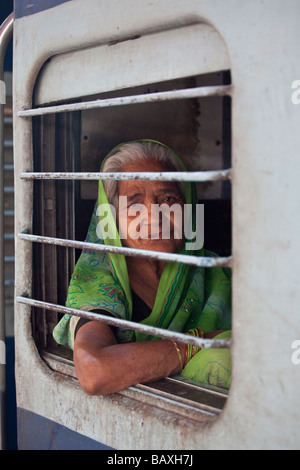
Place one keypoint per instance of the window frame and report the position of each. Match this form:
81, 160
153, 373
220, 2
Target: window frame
46, 311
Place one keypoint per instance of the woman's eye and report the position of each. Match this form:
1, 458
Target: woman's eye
171, 198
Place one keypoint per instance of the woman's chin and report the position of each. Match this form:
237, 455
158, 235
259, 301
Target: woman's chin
159, 244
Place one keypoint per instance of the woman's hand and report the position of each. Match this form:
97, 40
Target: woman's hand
212, 334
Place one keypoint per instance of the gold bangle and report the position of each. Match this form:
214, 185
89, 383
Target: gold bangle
179, 354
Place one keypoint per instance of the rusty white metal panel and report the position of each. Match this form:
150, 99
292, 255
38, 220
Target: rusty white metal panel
163, 56
262, 409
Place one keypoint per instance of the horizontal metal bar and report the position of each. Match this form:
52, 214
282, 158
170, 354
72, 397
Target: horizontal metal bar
8, 167
205, 262
8, 213
9, 189
9, 236
150, 330
198, 92
194, 395
8, 144
197, 176
8, 120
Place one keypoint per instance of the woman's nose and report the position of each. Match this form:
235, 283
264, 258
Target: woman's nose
152, 213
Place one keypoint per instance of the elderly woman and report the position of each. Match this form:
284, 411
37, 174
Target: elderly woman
166, 295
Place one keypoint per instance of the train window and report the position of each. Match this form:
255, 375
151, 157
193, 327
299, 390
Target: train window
71, 136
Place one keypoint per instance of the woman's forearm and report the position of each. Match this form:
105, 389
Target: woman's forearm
104, 367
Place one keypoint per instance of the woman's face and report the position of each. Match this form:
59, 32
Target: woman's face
150, 213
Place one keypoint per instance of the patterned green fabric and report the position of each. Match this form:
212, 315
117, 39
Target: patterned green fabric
211, 366
187, 297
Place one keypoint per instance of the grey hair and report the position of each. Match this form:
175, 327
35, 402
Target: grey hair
134, 153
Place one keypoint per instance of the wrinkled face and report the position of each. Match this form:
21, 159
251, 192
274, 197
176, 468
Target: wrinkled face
150, 212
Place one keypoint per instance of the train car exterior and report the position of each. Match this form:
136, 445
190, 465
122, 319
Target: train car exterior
69, 55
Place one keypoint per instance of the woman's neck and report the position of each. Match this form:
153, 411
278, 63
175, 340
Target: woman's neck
144, 276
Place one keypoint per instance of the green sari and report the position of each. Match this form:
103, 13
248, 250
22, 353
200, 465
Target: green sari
187, 297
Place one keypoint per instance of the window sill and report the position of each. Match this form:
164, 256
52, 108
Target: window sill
174, 394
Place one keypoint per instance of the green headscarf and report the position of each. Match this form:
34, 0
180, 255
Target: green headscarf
187, 296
